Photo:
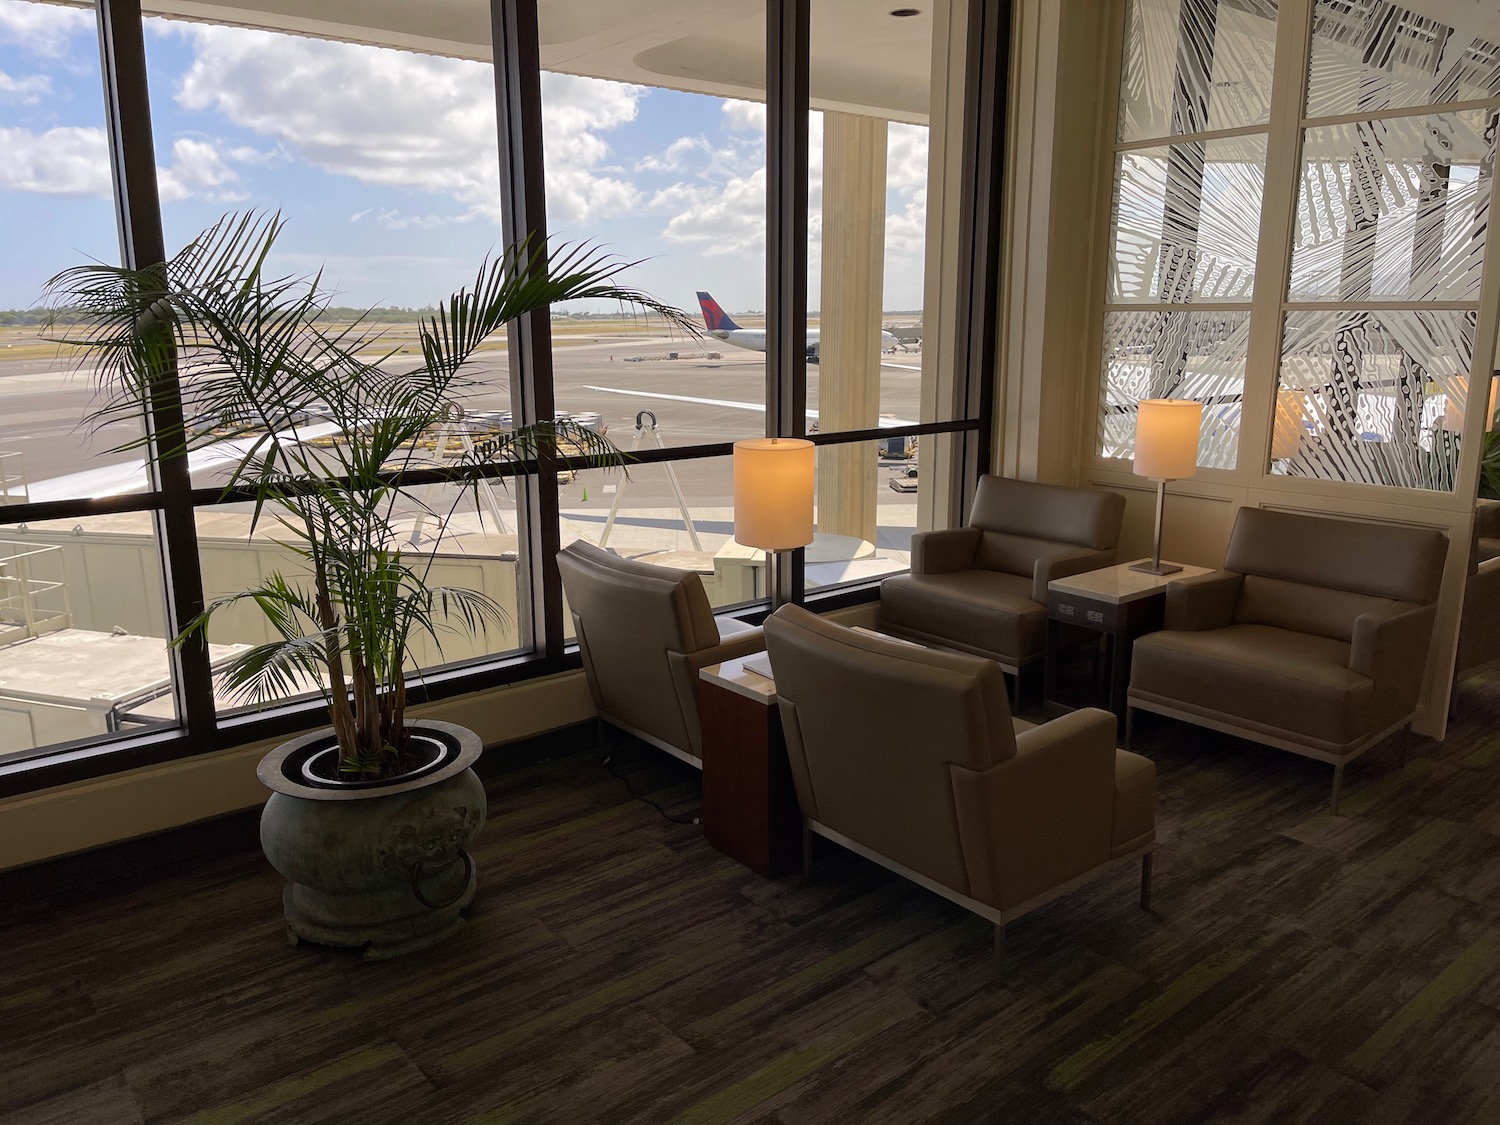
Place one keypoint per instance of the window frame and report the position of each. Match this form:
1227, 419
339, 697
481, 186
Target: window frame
173, 501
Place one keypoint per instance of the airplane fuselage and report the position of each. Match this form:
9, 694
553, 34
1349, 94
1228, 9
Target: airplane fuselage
754, 339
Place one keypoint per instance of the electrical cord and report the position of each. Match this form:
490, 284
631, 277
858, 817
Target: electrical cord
609, 764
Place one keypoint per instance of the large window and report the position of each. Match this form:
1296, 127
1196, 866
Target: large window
82, 653
378, 142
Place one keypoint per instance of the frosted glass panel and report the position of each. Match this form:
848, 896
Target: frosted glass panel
1186, 220
1394, 209
1194, 65
1197, 355
1373, 397
1369, 55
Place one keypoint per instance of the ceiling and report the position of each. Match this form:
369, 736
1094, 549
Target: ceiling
863, 59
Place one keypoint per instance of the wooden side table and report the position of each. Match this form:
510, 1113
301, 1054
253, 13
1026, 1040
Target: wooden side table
1117, 602
750, 807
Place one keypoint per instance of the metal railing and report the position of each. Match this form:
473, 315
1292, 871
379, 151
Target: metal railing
30, 602
13, 488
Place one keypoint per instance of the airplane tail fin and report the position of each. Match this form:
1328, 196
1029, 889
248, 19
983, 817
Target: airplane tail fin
714, 318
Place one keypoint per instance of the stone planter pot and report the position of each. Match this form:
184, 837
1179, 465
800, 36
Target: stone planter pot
379, 864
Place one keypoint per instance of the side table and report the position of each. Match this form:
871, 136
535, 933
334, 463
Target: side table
1117, 602
750, 809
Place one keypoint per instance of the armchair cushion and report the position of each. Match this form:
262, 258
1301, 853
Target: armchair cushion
986, 612
1319, 610
1380, 559
1276, 681
1056, 513
1205, 601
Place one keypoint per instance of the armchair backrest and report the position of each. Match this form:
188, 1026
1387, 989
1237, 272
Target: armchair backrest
1022, 520
1316, 574
872, 726
628, 616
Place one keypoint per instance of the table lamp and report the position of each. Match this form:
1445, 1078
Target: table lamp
773, 496
1290, 428
1166, 448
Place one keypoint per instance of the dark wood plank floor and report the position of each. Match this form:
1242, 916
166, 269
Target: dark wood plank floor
1298, 967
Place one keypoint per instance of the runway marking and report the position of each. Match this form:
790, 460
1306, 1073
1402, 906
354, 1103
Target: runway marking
733, 404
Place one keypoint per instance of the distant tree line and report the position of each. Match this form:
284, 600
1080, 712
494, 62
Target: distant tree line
390, 314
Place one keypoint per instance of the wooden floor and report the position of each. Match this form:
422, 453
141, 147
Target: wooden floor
1298, 967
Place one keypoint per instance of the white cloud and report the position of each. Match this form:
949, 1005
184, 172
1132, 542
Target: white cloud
413, 121
676, 157
67, 160
70, 160
581, 187
906, 156
381, 116
198, 169
28, 90
43, 29
906, 230
728, 218
745, 117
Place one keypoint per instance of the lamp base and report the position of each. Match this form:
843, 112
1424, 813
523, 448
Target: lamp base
1146, 566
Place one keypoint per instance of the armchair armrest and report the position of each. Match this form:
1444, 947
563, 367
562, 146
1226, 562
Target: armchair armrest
1063, 562
1479, 629
729, 648
943, 552
1036, 820
1205, 601
686, 666
1390, 647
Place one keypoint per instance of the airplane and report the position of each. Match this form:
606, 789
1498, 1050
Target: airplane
721, 327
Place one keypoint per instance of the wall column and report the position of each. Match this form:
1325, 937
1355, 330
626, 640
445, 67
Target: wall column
854, 151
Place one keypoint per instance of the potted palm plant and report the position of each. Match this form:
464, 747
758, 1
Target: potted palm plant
370, 819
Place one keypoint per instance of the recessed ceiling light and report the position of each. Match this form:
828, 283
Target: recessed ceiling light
903, 13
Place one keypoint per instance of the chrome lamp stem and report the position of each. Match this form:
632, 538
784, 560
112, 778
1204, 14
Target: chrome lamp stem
1156, 566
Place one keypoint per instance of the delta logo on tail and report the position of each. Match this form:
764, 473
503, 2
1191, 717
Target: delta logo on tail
722, 327
714, 317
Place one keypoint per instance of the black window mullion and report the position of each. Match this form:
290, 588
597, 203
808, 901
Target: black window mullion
127, 107
981, 219
788, 32
523, 203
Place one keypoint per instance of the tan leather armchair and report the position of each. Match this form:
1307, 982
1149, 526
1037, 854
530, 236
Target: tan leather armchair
908, 756
1313, 639
1479, 628
983, 588
645, 632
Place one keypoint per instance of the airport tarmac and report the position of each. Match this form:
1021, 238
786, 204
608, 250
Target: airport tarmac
694, 399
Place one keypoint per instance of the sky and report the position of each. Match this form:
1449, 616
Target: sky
384, 165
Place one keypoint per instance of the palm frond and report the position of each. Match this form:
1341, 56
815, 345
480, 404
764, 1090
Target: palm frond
248, 355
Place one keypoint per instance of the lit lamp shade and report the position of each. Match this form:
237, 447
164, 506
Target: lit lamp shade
1454, 403
773, 493
1291, 425
1166, 438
